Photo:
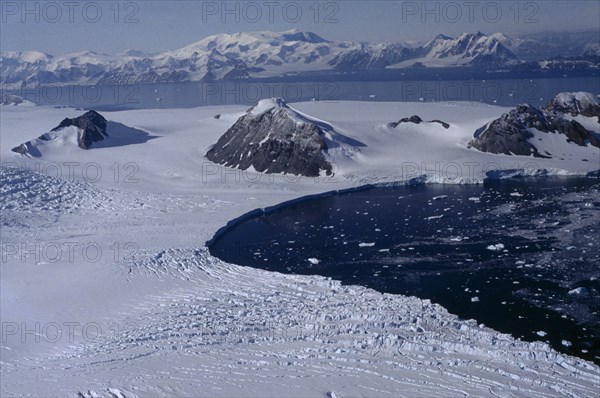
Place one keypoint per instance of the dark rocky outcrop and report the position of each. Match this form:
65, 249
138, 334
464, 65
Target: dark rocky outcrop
273, 138
444, 124
413, 119
21, 149
92, 125
92, 128
510, 133
574, 131
417, 120
92, 131
574, 104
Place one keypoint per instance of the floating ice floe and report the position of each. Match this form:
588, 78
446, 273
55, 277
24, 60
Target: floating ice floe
363, 244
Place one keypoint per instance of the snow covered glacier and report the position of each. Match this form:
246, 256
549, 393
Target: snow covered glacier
108, 288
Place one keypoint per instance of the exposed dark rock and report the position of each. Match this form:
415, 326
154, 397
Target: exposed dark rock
574, 131
416, 120
413, 119
92, 125
444, 124
273, 141
510, 133
21, 149
217, 116
575, 104
92, 132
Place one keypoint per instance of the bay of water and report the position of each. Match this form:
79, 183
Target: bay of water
509, 254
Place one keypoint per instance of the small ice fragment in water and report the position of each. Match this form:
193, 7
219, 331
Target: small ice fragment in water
496, 247
579, 291
362, 244
313, 260
541, 333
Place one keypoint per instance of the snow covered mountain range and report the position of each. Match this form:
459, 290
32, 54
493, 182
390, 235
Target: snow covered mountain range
263, 54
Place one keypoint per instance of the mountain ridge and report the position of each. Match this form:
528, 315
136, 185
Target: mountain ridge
266, 54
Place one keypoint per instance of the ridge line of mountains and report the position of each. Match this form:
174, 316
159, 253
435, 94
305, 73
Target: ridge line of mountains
267, 54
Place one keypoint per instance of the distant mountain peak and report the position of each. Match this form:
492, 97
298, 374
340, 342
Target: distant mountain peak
438, 38
305, 36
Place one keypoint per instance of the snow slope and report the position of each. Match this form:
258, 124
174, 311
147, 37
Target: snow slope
175, 321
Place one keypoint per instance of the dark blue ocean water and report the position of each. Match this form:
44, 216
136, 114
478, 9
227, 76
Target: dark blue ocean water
394, 85
506, 253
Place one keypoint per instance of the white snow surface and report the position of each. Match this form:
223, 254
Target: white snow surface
174, 321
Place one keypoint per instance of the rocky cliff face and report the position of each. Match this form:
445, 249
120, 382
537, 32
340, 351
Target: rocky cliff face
511, 134
273, 138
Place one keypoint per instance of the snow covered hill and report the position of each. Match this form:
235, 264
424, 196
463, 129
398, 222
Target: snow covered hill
570, 119
86, 131
273, 137
259, 54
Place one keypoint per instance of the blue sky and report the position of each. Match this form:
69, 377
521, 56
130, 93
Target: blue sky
59, 27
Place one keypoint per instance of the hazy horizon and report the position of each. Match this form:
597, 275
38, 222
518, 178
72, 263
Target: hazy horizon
61, 28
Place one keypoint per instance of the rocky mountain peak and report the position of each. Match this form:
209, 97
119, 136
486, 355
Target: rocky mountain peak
577, 103
273, 138
92, 127
512, 133
299, 35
